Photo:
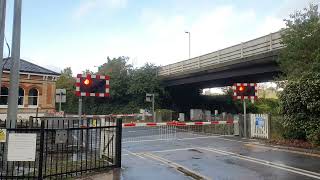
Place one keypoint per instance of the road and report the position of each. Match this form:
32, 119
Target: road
189, 156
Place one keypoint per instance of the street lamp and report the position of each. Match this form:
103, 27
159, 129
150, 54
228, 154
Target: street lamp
188, 32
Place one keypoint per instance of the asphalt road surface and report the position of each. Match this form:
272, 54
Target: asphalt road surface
185, 155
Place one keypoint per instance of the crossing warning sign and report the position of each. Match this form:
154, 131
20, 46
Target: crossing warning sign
3, 134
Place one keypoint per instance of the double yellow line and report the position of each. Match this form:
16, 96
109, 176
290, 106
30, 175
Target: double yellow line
182, 169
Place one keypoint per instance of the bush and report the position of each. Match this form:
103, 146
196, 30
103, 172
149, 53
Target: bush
300, 105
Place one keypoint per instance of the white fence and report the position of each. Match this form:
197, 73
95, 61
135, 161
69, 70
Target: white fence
250, 48
260, 126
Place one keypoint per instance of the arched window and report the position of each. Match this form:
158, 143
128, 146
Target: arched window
33, 97
4, 96
21, 96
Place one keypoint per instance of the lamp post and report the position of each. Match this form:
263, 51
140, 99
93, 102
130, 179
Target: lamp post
188, 32
15, 67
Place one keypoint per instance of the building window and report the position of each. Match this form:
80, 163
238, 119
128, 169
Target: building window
21, 96
33, 97
4, 96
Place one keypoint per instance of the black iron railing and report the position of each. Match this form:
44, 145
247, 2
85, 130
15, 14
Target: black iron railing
65, 147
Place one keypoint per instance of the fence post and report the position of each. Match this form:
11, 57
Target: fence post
40, 175
118, 143
269, 126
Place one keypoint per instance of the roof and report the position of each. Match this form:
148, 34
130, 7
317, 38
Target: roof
28, 67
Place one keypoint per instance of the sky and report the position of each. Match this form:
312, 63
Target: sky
81, 34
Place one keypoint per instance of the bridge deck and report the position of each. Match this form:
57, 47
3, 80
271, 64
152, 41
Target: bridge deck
261, 45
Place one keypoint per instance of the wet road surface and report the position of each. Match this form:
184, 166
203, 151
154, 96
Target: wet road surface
190, 156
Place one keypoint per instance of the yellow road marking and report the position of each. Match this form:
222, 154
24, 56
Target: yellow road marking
192, 174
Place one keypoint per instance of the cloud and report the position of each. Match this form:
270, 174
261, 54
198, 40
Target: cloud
289, 6
88, 6
162, 39
158, 36
270, 24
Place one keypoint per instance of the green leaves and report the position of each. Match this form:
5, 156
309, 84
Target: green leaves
300, 62
302, 41
128, 87
300, 105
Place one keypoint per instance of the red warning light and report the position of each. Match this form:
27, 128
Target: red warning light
241, 88
86, 82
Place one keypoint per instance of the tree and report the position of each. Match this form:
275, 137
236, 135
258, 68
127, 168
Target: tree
66, 81
302, 41
128, 87
145, 80
118, 69
300, 62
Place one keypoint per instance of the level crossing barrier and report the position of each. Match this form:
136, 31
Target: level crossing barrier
138, 132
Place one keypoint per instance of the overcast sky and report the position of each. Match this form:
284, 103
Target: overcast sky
82, 33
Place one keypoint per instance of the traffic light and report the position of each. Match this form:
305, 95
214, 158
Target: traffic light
244, 91
92, 85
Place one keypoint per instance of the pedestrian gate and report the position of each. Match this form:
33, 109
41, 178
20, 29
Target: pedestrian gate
260, 126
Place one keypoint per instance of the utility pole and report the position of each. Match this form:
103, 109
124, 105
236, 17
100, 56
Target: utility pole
14, 70
2, 28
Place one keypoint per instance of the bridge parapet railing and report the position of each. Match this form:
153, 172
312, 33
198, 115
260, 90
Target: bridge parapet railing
253, 47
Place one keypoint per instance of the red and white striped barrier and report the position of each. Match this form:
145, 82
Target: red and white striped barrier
110, 115
174, 123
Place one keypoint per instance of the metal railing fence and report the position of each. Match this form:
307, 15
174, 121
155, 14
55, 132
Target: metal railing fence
65, 147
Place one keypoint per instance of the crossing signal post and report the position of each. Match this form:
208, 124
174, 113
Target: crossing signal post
91, 85
243, 91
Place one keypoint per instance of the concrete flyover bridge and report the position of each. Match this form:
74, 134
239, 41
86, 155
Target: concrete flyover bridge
253, 61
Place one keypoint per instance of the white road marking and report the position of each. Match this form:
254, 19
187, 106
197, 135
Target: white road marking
264, 162
283, 150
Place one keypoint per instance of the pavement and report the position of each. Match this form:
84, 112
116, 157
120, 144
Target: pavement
192, 156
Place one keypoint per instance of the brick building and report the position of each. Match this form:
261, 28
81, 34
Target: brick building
37, 87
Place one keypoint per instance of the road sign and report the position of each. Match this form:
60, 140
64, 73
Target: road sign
61, 95
22, 146
3, 135
93, 85
149, 97
260, 122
